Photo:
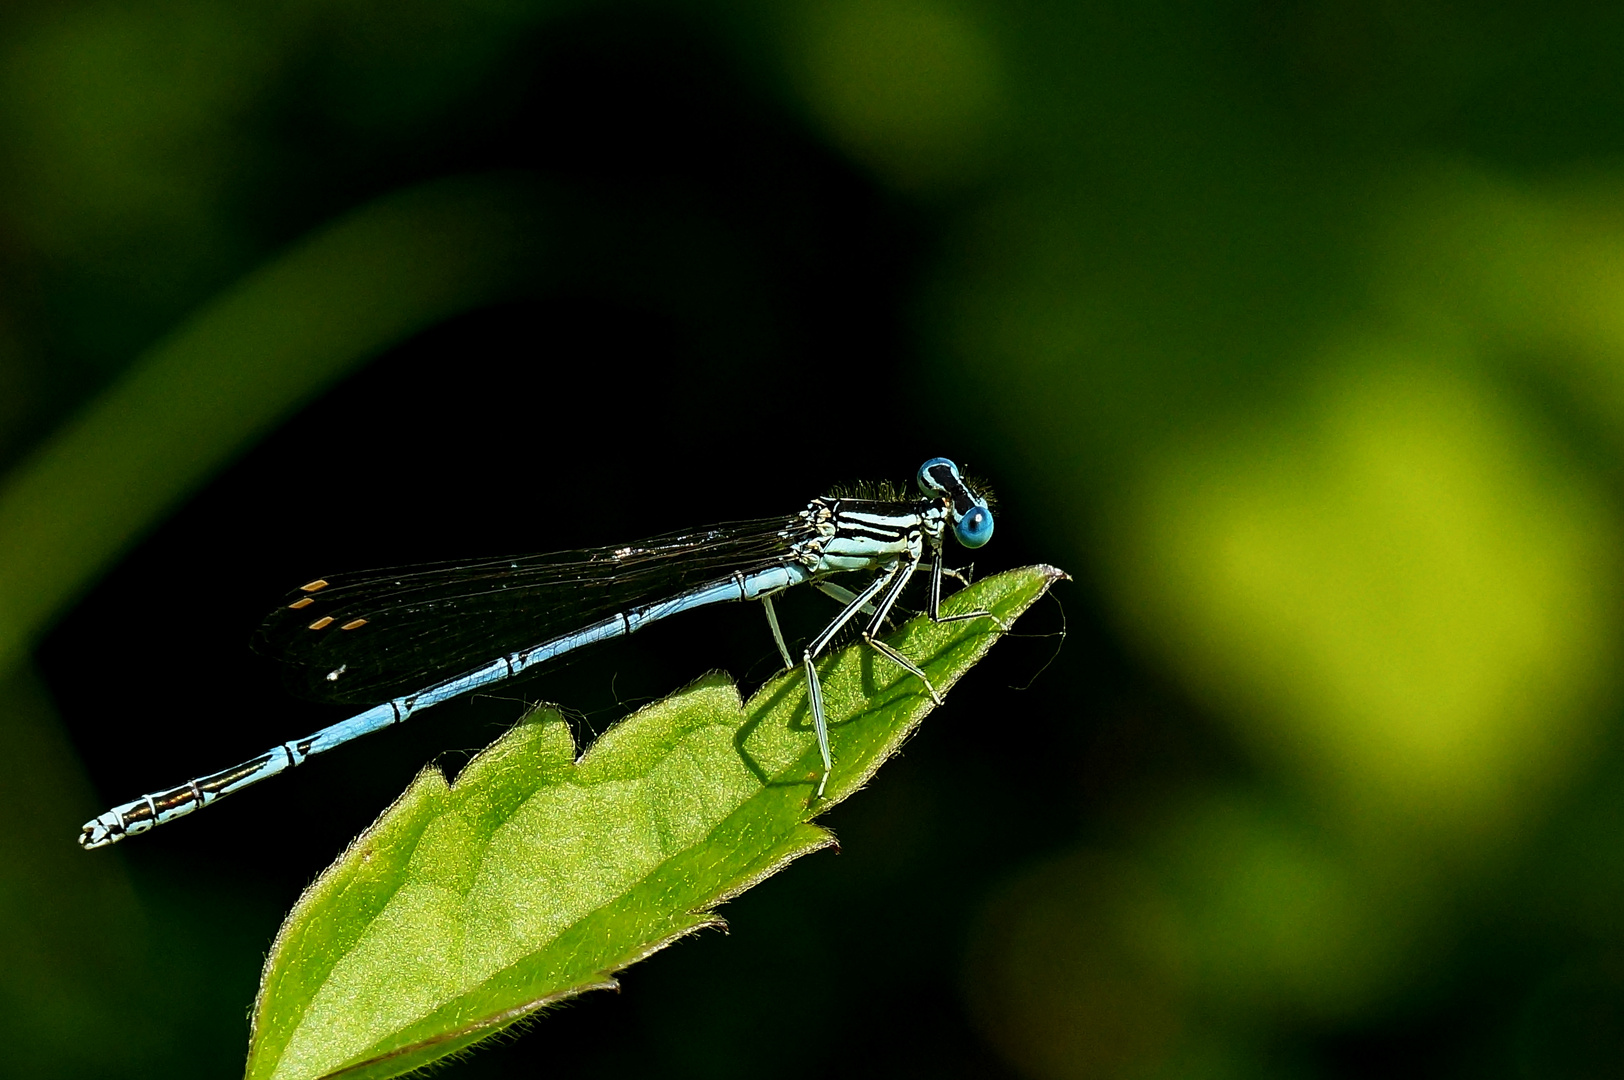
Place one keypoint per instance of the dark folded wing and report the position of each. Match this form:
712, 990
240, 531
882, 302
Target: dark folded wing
390, 632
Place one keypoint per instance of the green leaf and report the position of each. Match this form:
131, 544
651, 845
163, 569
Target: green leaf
537, 876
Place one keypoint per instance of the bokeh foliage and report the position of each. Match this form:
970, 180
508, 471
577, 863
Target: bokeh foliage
1293, 324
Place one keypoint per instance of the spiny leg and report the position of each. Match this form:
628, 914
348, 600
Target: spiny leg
937, 571
935, 608
905, 572
778, 635
845, 596
841, 594
815, 688
903, 662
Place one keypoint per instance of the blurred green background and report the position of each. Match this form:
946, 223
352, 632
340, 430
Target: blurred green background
1294, 329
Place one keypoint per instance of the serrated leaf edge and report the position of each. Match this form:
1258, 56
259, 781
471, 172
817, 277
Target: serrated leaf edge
433, 776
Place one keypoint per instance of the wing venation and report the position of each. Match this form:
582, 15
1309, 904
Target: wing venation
366, 637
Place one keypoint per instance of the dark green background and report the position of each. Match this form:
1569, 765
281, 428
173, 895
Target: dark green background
1294, 330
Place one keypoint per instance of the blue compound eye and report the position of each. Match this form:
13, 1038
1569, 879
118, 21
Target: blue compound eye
975, 528
930, 485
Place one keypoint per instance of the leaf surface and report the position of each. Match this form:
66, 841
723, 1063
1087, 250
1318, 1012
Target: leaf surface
536, 876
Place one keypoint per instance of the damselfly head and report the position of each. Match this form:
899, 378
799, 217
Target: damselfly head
966, 508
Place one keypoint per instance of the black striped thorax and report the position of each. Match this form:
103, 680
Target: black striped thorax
856, 534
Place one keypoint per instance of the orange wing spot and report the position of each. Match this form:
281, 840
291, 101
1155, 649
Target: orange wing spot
314, 586
353, 624
324, 621
297, 604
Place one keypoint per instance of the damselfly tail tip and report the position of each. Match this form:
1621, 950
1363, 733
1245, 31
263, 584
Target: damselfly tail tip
117, 823
101, 831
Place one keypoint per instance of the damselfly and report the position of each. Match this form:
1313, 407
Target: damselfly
405, 639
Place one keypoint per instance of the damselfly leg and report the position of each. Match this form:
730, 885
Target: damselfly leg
888, 585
